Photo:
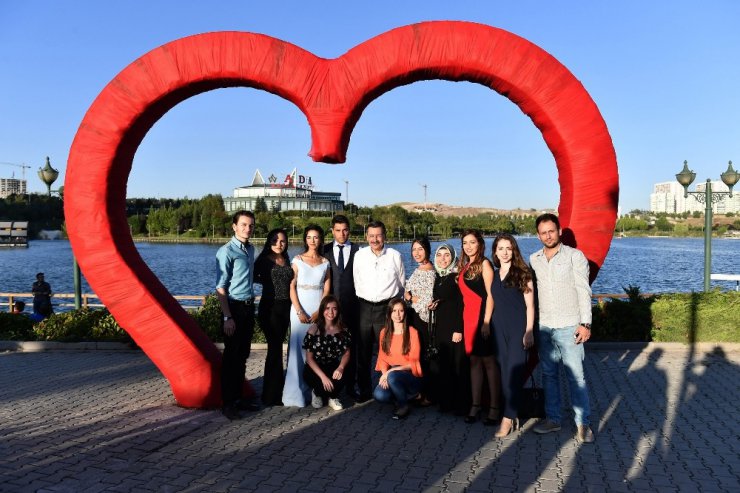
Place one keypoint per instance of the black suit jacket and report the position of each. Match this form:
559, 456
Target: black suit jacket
343, 285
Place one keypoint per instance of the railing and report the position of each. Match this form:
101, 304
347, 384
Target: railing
89, 300
189, 302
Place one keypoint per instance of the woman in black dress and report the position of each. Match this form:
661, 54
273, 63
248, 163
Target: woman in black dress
513, 323
272, 269
449, 372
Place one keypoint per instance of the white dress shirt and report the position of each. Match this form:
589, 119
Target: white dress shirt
345, 252
378, 277
562, 287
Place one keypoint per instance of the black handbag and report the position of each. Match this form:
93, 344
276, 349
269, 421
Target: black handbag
532, 402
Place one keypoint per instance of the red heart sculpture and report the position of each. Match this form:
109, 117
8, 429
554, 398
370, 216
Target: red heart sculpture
332, 94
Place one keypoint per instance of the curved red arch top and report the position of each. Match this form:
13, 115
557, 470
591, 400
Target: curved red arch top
332, 94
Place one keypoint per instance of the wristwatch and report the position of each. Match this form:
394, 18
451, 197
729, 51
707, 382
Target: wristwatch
588, 326
226, 318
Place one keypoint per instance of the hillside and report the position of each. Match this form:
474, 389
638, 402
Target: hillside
445, 210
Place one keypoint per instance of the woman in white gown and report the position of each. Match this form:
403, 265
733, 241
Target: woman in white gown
311, 282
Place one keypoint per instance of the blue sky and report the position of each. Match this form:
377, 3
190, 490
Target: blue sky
665, 75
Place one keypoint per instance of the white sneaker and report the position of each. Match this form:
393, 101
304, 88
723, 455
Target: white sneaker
316, 401
336, 404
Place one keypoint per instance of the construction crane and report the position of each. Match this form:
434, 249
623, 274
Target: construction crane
23, 166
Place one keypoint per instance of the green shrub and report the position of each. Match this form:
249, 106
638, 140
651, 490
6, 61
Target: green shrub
80, 325
99, 325
697, 317
209, 317
623, 320
15, 327
670, 317
107, 329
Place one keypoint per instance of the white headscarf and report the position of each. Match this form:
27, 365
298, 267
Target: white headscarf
453, 263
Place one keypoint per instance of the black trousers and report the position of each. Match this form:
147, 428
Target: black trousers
274, 318
236, 351
372, 319
314, 381
351, 318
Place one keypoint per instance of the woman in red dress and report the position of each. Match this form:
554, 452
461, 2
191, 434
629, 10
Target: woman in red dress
475, 278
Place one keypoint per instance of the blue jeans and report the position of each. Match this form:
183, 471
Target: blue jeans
402, 385
558, 346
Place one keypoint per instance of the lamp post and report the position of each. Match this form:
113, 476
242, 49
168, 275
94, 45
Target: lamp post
729, 178
48, 175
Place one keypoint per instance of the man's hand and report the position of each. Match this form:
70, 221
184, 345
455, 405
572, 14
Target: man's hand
229, 327
582, 334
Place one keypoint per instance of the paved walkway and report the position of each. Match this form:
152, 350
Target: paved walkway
94, 421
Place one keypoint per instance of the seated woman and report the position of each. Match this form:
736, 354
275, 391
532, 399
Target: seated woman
327, 344
398, 361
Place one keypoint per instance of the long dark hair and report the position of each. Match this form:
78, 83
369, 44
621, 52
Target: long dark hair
385, 344
425, 245
267, 252
519, 274
321, 321
319, 230
476, 266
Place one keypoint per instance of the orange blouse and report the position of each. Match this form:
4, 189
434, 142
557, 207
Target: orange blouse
396, 358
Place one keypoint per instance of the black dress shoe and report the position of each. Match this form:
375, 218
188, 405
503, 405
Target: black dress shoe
353, 395
247, 405
402, 412
231, 412
472, 416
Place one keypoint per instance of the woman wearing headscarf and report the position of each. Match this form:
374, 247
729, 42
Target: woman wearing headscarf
450, 373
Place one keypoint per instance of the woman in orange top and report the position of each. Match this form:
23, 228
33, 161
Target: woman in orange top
398, 360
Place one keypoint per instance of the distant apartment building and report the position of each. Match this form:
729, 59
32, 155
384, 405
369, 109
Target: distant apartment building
293, 193
10, 186
668, 197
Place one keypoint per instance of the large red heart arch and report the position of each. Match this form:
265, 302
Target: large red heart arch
332, 94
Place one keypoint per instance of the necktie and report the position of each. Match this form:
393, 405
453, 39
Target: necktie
340, 261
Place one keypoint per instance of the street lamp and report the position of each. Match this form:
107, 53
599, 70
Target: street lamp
48, 175
729, 178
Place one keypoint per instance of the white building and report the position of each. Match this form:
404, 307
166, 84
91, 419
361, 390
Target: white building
294, 193
10, 186
668, 197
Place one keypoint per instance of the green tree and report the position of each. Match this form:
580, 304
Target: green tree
260, 205
662, 224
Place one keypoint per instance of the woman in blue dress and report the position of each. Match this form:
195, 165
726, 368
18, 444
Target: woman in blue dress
513, 323
311, 282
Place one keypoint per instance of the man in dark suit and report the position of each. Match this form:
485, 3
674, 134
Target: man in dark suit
341, 255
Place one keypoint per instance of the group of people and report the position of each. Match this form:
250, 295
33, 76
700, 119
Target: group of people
457, 333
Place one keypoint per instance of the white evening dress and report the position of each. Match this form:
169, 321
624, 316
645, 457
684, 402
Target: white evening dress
310, 287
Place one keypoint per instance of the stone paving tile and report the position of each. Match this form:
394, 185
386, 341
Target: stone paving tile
106, 421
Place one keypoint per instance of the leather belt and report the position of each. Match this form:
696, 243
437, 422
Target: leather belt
376, 303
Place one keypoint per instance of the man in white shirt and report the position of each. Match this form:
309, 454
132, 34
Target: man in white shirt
379, 277
564, 296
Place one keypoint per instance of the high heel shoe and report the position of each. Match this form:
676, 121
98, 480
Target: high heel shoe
507, 426
472, 416
494, 416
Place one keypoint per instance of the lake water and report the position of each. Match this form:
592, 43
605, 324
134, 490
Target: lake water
654, 264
